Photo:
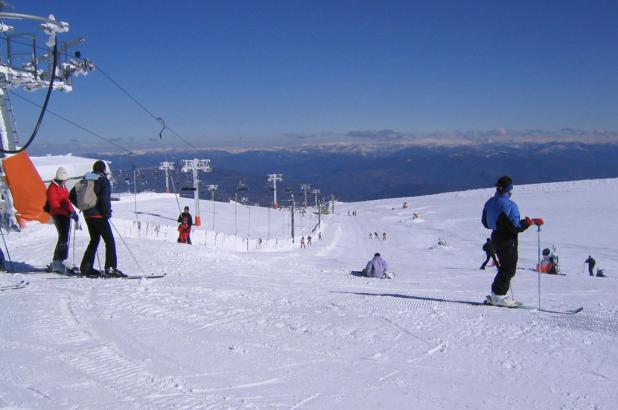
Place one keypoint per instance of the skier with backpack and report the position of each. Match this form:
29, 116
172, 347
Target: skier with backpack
61, 210
92, 195
501, 215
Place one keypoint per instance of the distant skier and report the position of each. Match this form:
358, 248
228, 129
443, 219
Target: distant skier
302, 242
377, 268
501, 215
370, 235
490, 253
591, 263
97, 220
383, 236
184, 230
375, 235
60, 208
186, 214
319, 236
309, 240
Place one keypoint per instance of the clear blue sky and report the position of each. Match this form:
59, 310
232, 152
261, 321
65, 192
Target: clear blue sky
233, 73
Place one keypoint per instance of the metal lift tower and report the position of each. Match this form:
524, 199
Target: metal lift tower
167, 166
273, 178
27, 61
193, 166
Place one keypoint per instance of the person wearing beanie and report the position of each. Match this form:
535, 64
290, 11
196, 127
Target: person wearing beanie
61, 211
97, 221
501, 215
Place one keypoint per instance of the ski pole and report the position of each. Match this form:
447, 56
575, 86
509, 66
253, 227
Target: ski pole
68, 243
128, 249
74, 236
8, 255
538, 265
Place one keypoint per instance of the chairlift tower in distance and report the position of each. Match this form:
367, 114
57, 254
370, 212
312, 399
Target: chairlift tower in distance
273, 178
316, 192
194, 166
167, 166
27, 62
212, 188
305, 188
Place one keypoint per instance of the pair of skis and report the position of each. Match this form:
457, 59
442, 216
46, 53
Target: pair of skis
15, 286
73, 274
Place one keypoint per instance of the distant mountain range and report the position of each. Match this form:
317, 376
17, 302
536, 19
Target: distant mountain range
357, 172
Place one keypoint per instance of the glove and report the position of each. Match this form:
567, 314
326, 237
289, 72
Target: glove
74, 216
537, 221
529, 221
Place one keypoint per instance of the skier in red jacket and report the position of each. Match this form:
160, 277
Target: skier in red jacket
184, 230
62, 211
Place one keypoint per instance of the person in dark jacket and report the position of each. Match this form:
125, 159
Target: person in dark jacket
181, 217
591, 263
501, 215
97, 220
489, 253
61, 211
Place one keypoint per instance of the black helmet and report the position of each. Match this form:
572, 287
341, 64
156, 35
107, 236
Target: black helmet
546, 252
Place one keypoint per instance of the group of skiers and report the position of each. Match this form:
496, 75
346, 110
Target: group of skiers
303, 243
93, 194
374, 235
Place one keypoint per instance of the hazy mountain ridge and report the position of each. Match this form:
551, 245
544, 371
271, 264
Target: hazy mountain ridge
356, 173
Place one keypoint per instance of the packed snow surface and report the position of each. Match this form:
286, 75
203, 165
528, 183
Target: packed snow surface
239, 325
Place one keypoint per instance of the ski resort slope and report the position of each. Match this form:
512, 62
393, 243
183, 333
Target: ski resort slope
290, 328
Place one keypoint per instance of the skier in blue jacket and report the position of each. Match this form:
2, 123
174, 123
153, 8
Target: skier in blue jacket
501, 215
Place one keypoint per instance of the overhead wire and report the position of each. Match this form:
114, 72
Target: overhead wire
142, 106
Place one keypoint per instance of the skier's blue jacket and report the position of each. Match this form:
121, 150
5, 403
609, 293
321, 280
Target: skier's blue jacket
500, 214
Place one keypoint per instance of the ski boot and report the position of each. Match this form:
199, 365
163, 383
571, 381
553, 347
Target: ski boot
502, 300
113, 273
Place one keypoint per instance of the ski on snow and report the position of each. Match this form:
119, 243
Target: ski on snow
528, 307
16, 286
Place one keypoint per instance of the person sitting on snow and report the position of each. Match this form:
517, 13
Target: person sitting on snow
549, 263
377, 268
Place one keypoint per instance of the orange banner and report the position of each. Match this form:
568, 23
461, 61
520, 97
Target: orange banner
27, 188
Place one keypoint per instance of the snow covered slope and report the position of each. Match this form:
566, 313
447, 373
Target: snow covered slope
232, 326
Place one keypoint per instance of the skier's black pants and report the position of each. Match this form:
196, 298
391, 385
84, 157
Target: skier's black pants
63, 225
489, 256
99, 228
506, 249
591, 269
